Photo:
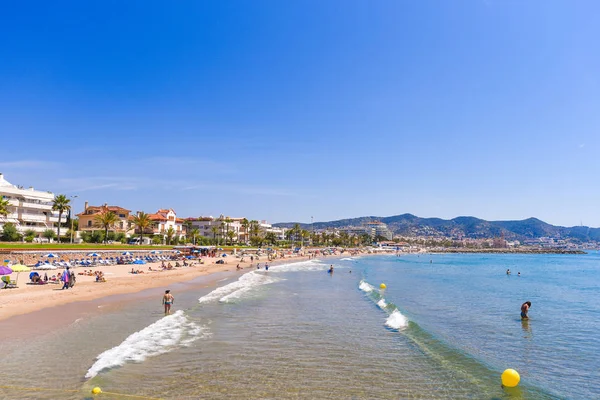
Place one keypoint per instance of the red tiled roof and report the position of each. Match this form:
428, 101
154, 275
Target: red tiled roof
157, 217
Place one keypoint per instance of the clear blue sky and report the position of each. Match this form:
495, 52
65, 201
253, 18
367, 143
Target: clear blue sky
283, 110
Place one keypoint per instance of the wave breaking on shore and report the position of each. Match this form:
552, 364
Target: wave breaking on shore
158, 338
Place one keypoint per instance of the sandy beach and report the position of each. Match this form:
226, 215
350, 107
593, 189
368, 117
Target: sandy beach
119, 280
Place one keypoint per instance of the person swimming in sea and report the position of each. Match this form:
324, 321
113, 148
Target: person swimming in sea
525, 310
508, 271
518, 273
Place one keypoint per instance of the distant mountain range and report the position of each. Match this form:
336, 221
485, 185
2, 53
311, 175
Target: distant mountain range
468, 227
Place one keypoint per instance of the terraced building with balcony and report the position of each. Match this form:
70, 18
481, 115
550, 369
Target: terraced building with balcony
29, 209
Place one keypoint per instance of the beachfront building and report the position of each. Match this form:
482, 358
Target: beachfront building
28, 209
162, 221
87, 218
226, 229
265, 228
377, 228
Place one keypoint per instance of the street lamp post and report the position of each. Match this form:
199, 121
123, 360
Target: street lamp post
71, 218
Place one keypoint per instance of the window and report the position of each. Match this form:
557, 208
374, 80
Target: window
89, 223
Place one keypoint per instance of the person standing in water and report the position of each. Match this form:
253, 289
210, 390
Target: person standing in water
525, 309
168, 300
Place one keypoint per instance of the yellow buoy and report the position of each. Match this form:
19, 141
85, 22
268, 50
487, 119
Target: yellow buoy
382, 286
96, 390
510, 378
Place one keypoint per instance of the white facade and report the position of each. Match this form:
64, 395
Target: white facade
222, 225
268, 228
28, 209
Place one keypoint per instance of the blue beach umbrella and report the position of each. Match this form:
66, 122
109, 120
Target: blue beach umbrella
155, 252
32, 274
50, 255
92, 255
139, 262
127, 253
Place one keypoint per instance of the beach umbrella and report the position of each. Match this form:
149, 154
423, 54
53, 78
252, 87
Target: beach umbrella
178, 252
139, 262
189, 257
18, 268
127, 253
155, 252
51, 255
92, 255
32, 274
5, 270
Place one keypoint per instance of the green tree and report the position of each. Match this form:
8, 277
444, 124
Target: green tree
188, 228
142, 221
194, 235
61, 204
214, 231
230, 236
156, 240
29, 235
10, 232
106, 220
170, 233
270, 238
4, 204
49, 234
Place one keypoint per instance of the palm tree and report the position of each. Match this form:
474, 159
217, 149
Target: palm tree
214, 230
194, 234
141, 222
61, 204
188, 227
245, 224
227, 222
230, 236
107, 220
170, 233
4, 204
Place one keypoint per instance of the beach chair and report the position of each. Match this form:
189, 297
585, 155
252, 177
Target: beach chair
8, 283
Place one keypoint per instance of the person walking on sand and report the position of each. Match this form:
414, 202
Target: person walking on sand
168, 300
65, 278
525, 310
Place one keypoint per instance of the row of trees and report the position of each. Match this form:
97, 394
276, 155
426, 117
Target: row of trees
300, 237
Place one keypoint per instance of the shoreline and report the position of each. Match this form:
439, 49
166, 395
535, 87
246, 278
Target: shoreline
28, 299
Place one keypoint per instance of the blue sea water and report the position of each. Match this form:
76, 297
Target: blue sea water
445, 327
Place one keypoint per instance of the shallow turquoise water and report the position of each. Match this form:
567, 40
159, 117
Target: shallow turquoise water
445, 328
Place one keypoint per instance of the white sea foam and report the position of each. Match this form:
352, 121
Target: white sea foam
236, 289
160, 337
382, 304
347, 259
365, 287
312, 265
396, 320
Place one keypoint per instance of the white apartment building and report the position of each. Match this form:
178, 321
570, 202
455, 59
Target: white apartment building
268, 228
29, 209
221, 226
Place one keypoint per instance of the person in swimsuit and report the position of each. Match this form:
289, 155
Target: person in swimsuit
525, 309
167, 301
